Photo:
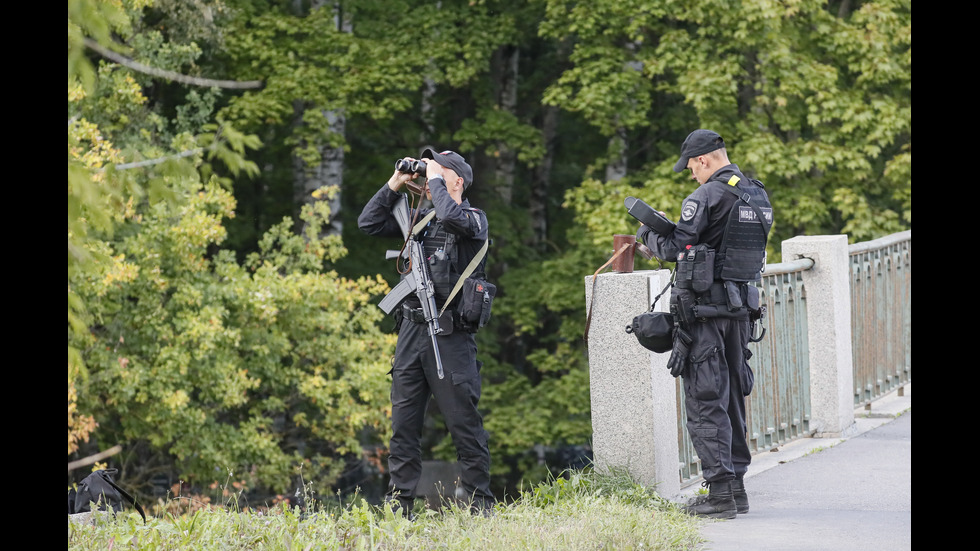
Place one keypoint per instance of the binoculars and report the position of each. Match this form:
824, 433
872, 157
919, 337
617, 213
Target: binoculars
410, 167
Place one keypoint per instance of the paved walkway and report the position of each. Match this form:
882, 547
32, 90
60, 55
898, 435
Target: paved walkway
830, 493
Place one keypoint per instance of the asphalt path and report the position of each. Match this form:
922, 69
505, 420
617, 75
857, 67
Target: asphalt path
840, 494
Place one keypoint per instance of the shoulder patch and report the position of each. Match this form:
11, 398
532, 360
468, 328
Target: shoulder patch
689, 209
476, 216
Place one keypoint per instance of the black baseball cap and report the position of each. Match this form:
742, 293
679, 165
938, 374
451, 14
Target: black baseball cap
699, 142
453, 160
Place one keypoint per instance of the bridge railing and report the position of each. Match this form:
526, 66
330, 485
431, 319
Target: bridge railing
805, 371
881, 315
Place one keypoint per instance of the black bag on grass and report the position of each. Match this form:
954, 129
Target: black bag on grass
99, 488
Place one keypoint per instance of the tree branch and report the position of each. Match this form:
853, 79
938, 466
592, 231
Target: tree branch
158, 160
72, 465
169, 75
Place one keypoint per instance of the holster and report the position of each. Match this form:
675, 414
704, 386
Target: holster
682, 305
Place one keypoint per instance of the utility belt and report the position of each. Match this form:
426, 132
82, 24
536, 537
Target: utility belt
469, 313
700, 294
414, 315
723, 299
448, 320
727, 296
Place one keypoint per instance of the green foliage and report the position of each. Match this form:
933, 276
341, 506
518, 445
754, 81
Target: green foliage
97, 19
311, 58
584, 511
506, 130
111, 123
177, 349
816, 104
249, 368
354, 59
553, 411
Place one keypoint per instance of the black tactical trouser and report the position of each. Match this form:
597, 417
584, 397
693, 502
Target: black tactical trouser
715, 387
413, 380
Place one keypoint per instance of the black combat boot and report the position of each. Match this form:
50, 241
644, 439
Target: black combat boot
741, 498
718, 503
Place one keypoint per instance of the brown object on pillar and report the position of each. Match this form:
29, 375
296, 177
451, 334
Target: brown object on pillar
624, 262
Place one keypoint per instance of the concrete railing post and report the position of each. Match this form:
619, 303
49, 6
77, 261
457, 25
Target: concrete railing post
828, 305
634, 406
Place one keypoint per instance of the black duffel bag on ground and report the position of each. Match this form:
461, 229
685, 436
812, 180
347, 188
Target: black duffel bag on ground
99, 488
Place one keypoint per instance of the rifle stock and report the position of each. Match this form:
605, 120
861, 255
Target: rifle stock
403, 215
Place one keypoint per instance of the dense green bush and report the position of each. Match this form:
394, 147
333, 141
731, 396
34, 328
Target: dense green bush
254, 368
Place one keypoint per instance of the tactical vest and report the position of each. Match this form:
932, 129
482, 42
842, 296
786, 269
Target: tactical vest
440, 252
742, 255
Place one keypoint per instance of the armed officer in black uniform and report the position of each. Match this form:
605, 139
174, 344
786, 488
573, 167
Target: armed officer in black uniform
451, 240
725, 220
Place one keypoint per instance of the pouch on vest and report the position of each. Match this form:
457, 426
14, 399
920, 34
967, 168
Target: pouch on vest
475, 303
696, 268
441, 272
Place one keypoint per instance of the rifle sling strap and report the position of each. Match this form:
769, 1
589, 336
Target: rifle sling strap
469, 268
425, 220
466, 273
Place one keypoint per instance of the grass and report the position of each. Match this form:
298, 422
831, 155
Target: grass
819, 449
584, 510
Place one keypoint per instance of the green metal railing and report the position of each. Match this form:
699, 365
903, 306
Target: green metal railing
778, 409
881, 315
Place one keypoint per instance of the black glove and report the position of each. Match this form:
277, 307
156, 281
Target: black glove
679, 357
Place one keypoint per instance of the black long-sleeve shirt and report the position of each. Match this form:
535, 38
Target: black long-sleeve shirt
468, 224
704, 216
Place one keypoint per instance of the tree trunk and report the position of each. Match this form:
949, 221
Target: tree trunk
506, 59
616, 169
330, 169
538, 200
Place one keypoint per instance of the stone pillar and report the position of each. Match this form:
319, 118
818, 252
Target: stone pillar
828, 305
634, 406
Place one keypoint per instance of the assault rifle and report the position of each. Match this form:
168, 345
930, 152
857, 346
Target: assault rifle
418, 280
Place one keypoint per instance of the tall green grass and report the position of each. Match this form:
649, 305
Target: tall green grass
583, 510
